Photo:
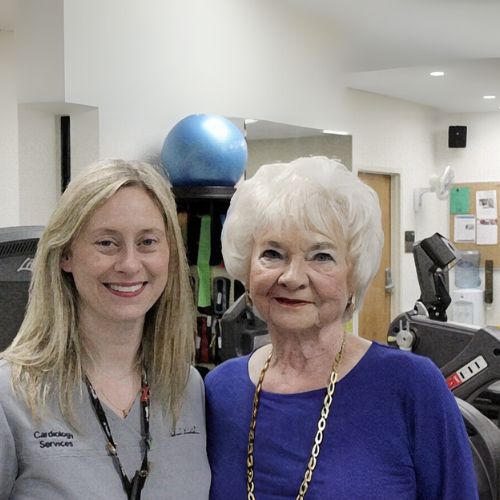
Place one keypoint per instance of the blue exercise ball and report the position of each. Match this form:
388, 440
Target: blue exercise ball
204, 150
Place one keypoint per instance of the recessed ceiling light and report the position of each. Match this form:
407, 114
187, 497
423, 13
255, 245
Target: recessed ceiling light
249, 121
489, 96
437, 73
336, 132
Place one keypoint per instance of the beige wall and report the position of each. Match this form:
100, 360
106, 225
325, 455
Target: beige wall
262, 151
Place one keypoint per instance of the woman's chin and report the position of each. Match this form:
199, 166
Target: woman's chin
290, 325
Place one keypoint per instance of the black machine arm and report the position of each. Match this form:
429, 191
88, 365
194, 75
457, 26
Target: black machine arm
468, 356
433, 257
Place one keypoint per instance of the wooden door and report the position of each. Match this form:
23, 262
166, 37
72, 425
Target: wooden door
375, 315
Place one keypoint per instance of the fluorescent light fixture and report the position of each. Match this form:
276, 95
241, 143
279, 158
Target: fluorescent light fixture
249, 121
489, 96
335, 132
437, 73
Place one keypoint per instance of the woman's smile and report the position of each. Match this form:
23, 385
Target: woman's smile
126, 289
291, 302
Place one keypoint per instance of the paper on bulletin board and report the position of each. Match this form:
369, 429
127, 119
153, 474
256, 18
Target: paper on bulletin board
486, 204
459, 200
465, 228
487, 217
487, 231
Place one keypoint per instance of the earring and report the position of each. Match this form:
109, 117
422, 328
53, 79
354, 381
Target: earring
350, 304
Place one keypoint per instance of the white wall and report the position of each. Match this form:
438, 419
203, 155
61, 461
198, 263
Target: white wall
84, 123
262, 151
40, 50
146, 68
9, 192
39, 185
479, 161
396, 137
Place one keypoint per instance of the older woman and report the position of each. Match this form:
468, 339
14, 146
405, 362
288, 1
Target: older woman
320, 413
97, 397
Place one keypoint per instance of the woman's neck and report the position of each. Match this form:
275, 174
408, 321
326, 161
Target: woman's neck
299, 350
301, 364
111, 349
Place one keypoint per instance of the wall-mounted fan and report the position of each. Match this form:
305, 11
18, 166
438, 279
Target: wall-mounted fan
439, 184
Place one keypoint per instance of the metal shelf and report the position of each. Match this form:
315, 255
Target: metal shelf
203, 192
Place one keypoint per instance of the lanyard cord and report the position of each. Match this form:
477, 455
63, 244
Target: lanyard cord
132, 488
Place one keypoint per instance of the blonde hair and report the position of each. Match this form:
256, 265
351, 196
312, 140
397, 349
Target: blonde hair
46, 355
316, 193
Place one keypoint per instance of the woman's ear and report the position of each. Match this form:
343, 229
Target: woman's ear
65, 263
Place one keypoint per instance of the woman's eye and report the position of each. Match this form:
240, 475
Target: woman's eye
105, 243
323, 257
148, 242
271, 254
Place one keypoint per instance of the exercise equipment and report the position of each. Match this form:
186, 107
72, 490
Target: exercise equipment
17, 250
432, 258
241, 330
204, 150
485, 445
468, 356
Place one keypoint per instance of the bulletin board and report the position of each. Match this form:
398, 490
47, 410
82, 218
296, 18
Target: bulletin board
459, 206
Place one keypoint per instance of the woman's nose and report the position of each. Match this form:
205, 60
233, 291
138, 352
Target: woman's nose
294, 275
128, 260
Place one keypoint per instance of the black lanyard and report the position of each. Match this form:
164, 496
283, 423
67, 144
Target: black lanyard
132, 488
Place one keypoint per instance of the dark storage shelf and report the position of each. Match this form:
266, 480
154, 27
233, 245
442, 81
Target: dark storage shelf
203, 192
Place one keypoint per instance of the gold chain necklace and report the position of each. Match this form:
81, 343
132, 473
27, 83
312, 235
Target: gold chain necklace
319, 433
124, 411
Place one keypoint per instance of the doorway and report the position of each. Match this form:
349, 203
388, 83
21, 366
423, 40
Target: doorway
375, 315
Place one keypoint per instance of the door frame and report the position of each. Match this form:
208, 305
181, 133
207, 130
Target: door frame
395, 250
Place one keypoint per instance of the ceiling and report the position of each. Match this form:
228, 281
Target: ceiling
391, 46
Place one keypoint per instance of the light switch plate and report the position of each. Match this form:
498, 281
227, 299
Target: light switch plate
409, 241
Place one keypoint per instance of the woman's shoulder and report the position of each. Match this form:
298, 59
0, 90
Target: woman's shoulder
229, 371
404, 365
5, 375
405, 376
8, 398
388, 354
4, 365
194, 381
